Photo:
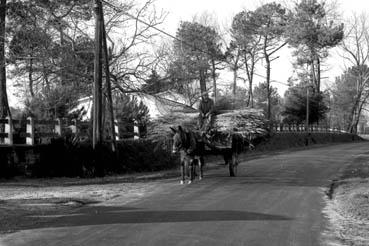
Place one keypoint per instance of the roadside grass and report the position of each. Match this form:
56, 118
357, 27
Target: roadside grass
348, 207
24, 204
27, 202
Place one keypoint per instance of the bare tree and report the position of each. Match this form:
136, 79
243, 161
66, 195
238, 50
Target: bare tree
355, 49
130, 30
247, 40
271, 19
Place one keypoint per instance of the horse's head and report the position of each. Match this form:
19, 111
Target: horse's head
179, 139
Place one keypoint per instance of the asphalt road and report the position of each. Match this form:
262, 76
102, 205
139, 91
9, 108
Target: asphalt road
274, 200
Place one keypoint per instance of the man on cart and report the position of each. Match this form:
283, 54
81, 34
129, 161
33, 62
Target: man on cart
206, 113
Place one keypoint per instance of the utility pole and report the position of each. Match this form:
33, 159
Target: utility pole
307, 109
4, 104
97, 88
108, 83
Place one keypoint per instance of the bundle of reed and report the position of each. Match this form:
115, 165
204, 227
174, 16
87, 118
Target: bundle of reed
159, 129
245, 121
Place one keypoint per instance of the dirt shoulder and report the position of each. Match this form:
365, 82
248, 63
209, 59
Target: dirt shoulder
24, 203
348, 206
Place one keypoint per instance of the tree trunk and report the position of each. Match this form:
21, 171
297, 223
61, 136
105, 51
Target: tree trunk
45, 76
358, 114
313, 77
47, 83
251, 95
269, 115
64, 61
4, 104
354, 122
351, 120
235, 72
318, 73
357, 120
202, 80
250, 77
214, 79
235, 75
267, 60
353, 113
30, 78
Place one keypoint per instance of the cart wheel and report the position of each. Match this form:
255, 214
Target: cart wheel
233, 165
231, 170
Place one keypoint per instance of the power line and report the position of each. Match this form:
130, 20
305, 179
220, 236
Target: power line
120, 10
272, 81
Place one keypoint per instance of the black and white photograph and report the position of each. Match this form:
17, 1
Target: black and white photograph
188, 122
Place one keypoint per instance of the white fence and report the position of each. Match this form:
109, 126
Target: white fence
302, 128
42, 131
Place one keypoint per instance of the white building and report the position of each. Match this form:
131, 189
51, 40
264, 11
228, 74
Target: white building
160, 104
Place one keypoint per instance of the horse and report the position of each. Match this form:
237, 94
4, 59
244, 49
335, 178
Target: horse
191, 146
191, 150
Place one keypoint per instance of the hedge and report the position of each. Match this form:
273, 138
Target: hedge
61, 158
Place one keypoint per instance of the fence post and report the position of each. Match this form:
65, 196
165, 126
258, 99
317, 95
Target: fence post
136, 130
9, 131
285, 128
280, 128
116, 129
58, 127
30, 139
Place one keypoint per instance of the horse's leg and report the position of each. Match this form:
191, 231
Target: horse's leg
183, 170
233, 164
194, 164
201, 164
190, 169
235, 158
182, 173
227, 157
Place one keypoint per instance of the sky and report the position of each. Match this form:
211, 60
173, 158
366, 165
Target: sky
224, 10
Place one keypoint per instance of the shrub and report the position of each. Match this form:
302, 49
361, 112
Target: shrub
7, 167
65, 158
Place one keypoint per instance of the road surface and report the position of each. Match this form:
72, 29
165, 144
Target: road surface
274, 200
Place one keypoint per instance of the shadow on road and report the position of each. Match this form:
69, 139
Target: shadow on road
279, 179
121, 215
